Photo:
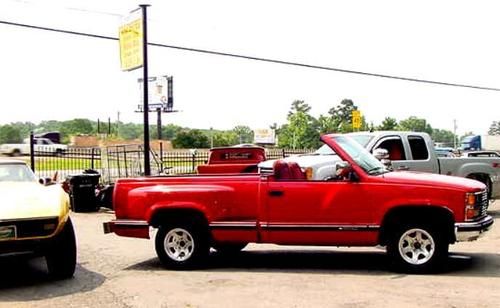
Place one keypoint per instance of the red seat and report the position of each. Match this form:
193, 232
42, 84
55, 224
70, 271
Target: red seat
395, 153
281, 170
295, 171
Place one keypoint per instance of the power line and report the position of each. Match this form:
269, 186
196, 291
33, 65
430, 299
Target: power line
268, 60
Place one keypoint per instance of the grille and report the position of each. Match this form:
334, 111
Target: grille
482, 203
32, 227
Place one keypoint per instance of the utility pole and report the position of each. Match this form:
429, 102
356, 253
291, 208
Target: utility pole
147, 166
455, 134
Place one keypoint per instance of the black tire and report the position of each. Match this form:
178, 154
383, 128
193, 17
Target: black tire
188, 240
16, 152
417, 248
60, 254
230, 249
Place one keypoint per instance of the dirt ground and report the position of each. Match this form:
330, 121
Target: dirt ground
121, 272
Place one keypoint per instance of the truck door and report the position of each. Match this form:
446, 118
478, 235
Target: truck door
420, 158
299, 211
398, 154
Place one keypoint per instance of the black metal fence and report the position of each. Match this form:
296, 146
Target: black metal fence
124, 161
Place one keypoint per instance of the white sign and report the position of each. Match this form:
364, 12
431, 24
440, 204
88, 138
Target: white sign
264, 136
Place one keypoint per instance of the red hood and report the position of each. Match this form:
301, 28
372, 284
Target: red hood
436, 180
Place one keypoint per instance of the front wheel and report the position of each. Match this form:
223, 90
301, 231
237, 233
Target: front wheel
182, 245
61, 253
417, 248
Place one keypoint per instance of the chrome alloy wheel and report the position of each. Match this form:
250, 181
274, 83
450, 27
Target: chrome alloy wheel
416, 246
179, 244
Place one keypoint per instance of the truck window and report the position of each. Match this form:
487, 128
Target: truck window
418, 148
394, 146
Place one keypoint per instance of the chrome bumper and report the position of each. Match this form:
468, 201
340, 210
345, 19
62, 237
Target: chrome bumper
471, 231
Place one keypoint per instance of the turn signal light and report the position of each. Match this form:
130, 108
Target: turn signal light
470, 199
309, 173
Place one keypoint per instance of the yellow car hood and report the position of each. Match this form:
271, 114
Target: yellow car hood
20, 200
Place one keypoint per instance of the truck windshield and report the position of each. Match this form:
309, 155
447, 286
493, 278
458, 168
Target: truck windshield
360, 155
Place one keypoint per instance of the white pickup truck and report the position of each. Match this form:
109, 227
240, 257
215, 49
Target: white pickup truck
409, 151
43, 145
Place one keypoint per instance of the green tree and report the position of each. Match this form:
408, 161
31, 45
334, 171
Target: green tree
10, 134
494, 128
301, 131
244, 134
191, 139
225, 138
443, 136
415, 124
340, 118
388, 124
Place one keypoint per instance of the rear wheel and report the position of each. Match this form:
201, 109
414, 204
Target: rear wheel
417, 248
182, 245
61, 253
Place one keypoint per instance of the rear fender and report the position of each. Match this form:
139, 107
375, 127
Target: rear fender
156, 209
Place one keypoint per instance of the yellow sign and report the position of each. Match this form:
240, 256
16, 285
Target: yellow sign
131, 45
356, 119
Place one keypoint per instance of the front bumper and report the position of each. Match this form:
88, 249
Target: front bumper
471, 231
21, 247
127, 227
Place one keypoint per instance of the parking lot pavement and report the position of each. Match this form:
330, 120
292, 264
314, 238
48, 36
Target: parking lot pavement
123, 272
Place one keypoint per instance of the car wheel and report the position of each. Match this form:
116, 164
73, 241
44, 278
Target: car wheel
417, 248
16, 152
61, 253
228, 249
182, 245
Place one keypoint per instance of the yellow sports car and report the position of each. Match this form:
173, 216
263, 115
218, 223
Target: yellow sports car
34, 219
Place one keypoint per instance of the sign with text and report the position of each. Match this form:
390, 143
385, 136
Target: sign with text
264, 136
130, 37
356, 119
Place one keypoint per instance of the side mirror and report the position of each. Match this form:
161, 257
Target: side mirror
342, 170
383, 155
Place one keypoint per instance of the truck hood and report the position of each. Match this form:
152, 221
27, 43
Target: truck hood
21, 200
435, 180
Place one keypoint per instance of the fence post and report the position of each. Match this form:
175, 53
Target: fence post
161, 157
283, 153
32, 151
92, 159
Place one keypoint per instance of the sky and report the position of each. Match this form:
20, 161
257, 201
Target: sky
54, 76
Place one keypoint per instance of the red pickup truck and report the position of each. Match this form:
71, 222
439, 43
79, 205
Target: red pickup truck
415, 215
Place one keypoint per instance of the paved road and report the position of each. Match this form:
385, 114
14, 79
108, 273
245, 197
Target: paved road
123, 272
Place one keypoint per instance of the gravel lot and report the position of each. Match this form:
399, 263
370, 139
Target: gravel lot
121, 272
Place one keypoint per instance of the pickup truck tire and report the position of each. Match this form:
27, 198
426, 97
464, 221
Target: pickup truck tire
61, 253
229, 249
16, 152
182, 245
417, 248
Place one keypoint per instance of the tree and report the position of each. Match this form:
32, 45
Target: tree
10, 134
244, 134
443, 136
494, 128
191, 139
415, 124
388, 124
340, 118
301, 131
225, 138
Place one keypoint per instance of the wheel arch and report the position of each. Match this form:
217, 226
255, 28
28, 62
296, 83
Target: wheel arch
436, 215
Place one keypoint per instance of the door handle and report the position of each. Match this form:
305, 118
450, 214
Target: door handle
275, 193
403, 168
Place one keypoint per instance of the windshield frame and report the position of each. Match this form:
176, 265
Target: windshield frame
353, 152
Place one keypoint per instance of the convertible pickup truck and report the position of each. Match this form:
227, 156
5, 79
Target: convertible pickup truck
415, 215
